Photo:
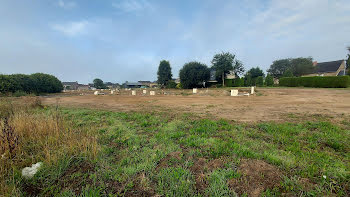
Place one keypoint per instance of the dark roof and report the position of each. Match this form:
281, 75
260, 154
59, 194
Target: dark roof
133, 84
70, 83
325, 67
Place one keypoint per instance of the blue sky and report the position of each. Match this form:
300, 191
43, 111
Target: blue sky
120, 40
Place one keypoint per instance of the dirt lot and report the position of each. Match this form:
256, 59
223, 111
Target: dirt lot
267, 104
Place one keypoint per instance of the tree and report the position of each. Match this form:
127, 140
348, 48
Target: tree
45, 83
193, 74
288, 73
224, 63
269, 80
254, 73
164, 73
260, 81
301, 66
279, 67
98, 83
348, 61
248, 80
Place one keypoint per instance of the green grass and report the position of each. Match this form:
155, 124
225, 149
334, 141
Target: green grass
136, 156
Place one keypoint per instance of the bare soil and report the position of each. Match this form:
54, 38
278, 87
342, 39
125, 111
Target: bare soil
268, 104
257, 176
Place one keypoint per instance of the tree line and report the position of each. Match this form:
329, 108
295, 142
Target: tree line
196, 74
35, 83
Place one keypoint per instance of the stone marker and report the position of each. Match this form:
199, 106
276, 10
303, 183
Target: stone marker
29, 172
144, 91
234, 92
252, 90
96, 93
194, 90
112, 91
133, 92
152, 93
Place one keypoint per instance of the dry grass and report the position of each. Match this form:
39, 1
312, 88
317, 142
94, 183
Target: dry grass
41, 136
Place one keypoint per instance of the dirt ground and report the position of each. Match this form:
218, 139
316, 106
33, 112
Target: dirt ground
268, 104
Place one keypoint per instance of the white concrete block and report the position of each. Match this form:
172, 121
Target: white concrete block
112, 91
29, 172
152, 93
133, 92
96, 93
194, 90
252, 90
144, 91
234, 92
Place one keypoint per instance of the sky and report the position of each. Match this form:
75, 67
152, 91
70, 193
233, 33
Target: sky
124, 40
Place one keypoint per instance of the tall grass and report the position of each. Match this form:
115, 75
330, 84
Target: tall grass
42, 135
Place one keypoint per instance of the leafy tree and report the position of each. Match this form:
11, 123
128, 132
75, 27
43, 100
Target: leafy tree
254, 73
193, 74
269, 80
302, 66
164, 72
171, 84
260, 81
299, 66
45, 83
279, 67
348, 61
288, 73
98, 83
224, 63
248, 79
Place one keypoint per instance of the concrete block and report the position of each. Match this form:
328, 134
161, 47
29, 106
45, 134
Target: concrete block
252, 90
152, 93
96, 92
144, 91
195, 90
234, 92
133, 92
112, 91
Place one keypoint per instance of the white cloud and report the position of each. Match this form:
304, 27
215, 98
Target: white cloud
72, 28
133, 5
66, 4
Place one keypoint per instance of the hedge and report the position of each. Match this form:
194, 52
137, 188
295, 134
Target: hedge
34, 83
317, 82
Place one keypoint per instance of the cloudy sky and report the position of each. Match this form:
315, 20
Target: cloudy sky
120, 40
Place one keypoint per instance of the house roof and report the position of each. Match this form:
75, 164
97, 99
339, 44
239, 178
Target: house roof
325, 67
69, 83
133, 84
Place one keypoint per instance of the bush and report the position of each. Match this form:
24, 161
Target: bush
318, 82
260, 81
229, 82
35, 83
193, 74
269, 80
171, 84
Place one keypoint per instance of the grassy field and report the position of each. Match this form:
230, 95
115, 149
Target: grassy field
90, 152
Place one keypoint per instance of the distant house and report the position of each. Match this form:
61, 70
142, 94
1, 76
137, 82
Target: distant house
70, 85
132, 85
212, 79
74, 86
333, 68
145, 83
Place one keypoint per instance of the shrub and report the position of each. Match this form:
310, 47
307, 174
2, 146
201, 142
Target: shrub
229, 82
269, 80
35, 83
171, 84
193, 74
260, 81
318, 82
